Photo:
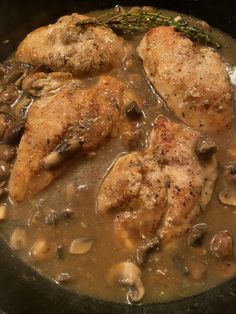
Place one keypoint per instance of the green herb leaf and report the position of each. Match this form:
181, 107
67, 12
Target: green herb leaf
130, 23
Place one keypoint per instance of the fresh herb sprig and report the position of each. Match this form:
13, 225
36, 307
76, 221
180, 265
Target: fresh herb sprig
134, 22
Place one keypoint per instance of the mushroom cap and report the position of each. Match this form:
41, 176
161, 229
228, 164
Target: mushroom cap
128, 274
228, 196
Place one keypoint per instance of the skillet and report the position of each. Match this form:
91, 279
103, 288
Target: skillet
22, 289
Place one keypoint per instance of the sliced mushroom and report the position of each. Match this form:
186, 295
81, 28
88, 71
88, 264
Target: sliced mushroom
205, 148
39, 250
81, 245
5, 121
39, 83
128, 274
222, 244
4, 170
68, 213
62, 152
14, 76
7, 153
3, 190
63, 277
9, 95
230, 172
51, 218
18, 240
196, 234
228, 196
22, 106
145, 248
3, 212
14, 132
132, 111
34, 218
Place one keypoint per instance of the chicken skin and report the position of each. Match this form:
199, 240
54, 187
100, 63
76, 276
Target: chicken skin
161, 190
192, 80
63, 46
73, 117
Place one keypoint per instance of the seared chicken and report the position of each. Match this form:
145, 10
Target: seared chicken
73, 114
42, 84
192, 80
160, 190
63, 46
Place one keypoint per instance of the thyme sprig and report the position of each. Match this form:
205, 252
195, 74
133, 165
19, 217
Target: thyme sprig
130, 23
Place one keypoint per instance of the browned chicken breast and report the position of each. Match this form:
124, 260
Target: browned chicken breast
161, 190
192, 80
64, 46
70, 118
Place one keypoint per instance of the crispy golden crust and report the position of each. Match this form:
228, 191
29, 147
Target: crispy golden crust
91, 114
65, 47
161, 189
192, 80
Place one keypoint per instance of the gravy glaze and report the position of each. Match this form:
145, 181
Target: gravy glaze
180, 270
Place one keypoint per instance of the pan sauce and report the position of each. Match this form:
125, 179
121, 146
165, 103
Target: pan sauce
66, 211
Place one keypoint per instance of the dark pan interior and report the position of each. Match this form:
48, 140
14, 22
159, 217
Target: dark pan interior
22, 289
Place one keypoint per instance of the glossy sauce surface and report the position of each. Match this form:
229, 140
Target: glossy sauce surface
181, 270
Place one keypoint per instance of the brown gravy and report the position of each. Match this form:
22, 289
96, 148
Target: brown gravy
172, 275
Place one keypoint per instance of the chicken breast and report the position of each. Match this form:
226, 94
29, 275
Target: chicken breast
72, 117
192, 80
63, 46
160, 190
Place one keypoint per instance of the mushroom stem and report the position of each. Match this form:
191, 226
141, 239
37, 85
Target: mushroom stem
128, 274
136, 293
205, 148
62, 152
145, 247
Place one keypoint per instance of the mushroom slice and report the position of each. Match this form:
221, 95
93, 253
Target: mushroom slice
230, 172
81, 245
63, 277
62, 152
145, 247
18, 240
222, 244
40, 250
196, 234
205, 148
128, 274
14, 132
228, 196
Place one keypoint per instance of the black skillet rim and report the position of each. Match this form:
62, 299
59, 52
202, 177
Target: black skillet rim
22, 288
